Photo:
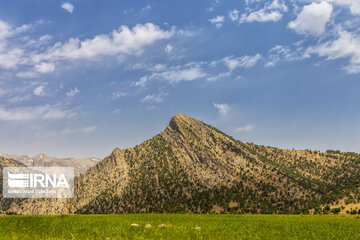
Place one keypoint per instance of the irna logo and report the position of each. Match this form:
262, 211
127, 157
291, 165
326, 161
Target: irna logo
38, 182
16, 180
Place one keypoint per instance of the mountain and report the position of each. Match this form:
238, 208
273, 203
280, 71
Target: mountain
80, 165
5, 202
193, 167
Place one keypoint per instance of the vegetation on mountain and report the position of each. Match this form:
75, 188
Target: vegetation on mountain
5, 203
193, 167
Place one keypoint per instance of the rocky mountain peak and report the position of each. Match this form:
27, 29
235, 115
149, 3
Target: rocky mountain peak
182, 122
175, 120
193, 167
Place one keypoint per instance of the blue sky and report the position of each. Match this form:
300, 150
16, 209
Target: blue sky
79, 78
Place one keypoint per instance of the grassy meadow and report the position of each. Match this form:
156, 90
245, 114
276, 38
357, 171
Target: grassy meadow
179, 226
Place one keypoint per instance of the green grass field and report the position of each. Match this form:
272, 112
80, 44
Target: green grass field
180, 226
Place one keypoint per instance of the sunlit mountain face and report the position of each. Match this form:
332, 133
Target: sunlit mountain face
192, 167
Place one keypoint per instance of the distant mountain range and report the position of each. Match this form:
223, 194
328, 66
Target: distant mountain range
193, 167
80, 165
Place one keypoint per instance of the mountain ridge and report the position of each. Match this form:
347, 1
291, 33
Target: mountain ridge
80, 165
193, 167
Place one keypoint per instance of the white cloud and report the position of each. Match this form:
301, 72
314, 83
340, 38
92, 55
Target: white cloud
68, 7
345, 45
45, 38
37, 57
284, 53
218, 20
39, 91
222, 108
158, 67
234, 15
312, 19
18, 99
168, 48
23, 28
5, 30
11, 58
38, 68
146, 8
246, 128
119, 94
38, 43
214, 4
261, 16
154, 98
87, 129
245, 61
278, 5
73, 92
353, 5
141, 82
116, 111
248, 2
121, 41
13, 54
28, 74
178, 74
271, 12
219, 76
174, 74
197, 70
26, 27
45, 67
35, 112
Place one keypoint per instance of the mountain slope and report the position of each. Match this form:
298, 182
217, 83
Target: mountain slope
4, 202
193, 167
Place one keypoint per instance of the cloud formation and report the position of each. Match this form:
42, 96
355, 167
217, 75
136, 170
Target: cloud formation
168, 48
222, 108
44, 67
39, 91
121, 41
218, 20
174, 74
244, 61
284, 53
246, 128
119, 94
312, 19
234, 15
34, 60
353, 5
345, 45
154, 98
44, 112
73, 92
68, 7
271, 12
197, 70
